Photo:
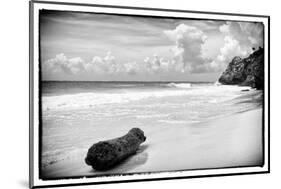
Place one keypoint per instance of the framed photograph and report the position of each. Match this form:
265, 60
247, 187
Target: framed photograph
126, 94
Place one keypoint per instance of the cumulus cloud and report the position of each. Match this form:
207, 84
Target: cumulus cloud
188, 46
107, 65
61, 64
98, 65
189, 51
246, 32
239, 39
154, 64
102, 65
231, 48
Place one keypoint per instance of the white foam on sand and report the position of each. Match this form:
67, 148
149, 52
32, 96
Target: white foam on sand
231, 141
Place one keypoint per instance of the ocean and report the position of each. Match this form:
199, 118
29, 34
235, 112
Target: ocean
77, 114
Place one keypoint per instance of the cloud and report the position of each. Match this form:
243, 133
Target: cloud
61, 64
153, 65
239, 39
107, 66
102, 65
188, 46
193, 51
247, 33
158, 65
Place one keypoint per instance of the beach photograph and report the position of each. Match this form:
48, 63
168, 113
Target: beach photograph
140, 94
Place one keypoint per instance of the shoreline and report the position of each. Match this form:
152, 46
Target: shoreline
212, 144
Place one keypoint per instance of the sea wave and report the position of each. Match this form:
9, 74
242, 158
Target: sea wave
83, 100
179, 85
217, 83
91, 99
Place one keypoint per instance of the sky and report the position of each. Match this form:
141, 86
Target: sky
102, 47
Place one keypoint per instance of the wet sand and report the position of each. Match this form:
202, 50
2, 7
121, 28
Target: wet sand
231, 141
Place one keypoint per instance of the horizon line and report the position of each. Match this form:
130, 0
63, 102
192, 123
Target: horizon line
137, 81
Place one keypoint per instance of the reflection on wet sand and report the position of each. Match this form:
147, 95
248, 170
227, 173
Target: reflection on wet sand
130, 163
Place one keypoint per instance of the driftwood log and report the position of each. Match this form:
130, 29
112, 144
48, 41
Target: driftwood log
105, 154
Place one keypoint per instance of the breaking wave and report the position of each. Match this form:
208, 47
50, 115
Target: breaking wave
180, 85
91, 99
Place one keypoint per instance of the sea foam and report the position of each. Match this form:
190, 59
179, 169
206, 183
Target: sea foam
180, 85
91, 99
83, 100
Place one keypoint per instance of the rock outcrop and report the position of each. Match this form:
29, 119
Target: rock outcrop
105, 154
246, 72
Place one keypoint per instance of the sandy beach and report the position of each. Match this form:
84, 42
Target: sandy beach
231, 141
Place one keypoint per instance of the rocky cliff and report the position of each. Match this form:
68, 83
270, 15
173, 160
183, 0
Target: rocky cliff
246, 72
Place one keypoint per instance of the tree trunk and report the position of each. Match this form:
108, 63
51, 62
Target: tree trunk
105, 154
